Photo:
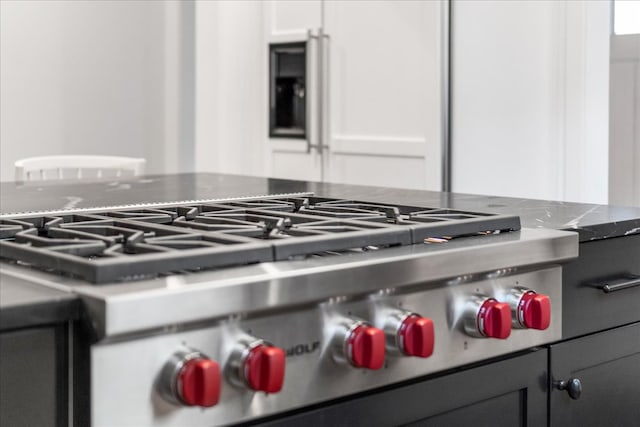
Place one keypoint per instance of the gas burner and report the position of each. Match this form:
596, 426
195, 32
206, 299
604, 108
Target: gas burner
117, 245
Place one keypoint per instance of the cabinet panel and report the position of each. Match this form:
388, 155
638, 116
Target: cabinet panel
505, 410
381, 64
294, 22
505, 393
33, 377
382, 87
287, 17
608, 366
373, 90
292, 164
378, 170
586, 308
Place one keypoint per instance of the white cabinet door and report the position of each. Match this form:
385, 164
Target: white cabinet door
382, 117
530, 99
373, 92
288, 19
291, 21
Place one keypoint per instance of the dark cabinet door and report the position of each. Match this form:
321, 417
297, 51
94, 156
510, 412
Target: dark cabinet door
510, 392
607, 365
33, 377
585, 307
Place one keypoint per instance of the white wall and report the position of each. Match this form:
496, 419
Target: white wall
82, 77
231, 88
624, 150
530, 99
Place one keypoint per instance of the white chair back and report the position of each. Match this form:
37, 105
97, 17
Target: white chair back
77, 167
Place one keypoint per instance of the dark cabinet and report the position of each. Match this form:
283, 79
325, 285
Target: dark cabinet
34, 366
586, 307
510, 392
33, 377
607, 364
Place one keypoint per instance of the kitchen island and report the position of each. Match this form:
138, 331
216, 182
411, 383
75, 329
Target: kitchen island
600, 329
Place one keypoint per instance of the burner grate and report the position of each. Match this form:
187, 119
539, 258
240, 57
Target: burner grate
119, 245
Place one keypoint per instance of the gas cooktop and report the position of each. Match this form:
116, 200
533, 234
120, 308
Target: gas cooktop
346, 295
133, 243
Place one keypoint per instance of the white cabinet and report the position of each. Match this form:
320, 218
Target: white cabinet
624, 132
374, 92
530, 99
286, 19
291, 22
529, 111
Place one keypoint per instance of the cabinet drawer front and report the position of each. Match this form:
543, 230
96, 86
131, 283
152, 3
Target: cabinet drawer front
504, 393
587, 307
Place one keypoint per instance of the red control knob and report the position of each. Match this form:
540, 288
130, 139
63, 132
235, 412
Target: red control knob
416, 336
263, 368
366, 347
534, 310
494, 319
198, 382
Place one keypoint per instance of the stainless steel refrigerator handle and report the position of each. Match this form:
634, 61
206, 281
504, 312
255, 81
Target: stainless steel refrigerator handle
323, 100
445, 96
314, 108
323, 86
326, 76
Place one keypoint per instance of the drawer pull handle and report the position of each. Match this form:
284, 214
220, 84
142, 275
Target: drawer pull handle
620, 284
573, 387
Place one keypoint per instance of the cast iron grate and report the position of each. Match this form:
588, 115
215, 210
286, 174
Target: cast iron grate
118, 245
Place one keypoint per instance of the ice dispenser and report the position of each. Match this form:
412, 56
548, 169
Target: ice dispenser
287, 90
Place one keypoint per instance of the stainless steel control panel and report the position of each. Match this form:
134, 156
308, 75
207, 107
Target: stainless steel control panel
125, 375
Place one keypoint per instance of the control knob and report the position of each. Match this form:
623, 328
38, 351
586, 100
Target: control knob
409, 334
358, 343
529, 309
190, 378
257, 365
486, 317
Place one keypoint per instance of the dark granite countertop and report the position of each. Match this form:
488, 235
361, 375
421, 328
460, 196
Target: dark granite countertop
592, 222
23, 304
